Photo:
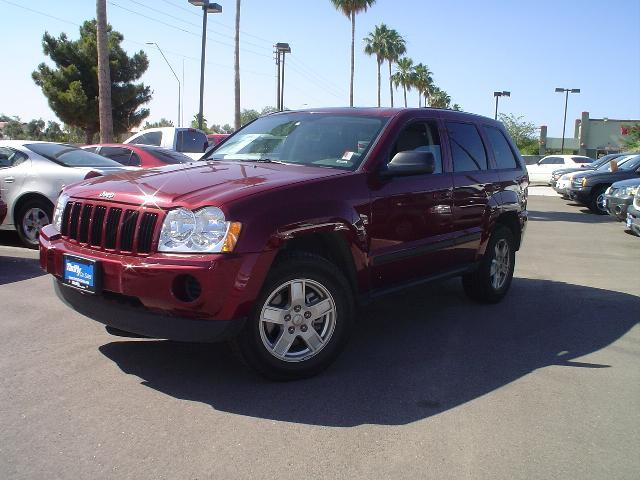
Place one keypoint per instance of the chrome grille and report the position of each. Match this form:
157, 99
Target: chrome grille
109, 227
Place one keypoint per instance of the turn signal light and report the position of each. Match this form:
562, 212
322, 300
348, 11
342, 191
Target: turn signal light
232, 236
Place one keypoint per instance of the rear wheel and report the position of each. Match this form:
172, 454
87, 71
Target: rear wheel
301, 320
491, 281
30, 219
597, 201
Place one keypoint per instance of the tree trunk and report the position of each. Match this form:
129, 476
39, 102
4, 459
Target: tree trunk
104, 75
353, 43
88, 136
404, 87
419, 99
379, 82
390, 84
237, 68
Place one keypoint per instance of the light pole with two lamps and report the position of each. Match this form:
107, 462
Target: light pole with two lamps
566, 91
504, 93
207, 8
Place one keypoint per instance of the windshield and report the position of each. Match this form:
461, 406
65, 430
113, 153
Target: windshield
631, 163
70, 156
325, 140
606, 166
167, 156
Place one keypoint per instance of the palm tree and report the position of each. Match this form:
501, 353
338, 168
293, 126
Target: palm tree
439, 99
376, 43
395, 47
404, 76
236, 67
351, 8
104, 74
423, 82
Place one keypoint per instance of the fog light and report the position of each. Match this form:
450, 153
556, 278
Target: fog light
186, 288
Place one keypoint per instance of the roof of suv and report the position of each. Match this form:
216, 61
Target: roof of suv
390, 112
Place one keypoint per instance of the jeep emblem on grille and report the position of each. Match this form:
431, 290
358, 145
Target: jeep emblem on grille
107, 195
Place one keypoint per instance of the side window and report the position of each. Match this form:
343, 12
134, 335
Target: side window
118, 154
151, 138
551, 161
501, 150
11, 158
192, 141
467, 149
423, 137
134, 160
90, 149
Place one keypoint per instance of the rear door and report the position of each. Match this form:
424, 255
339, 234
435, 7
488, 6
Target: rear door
411, 216
14, 168
474, 182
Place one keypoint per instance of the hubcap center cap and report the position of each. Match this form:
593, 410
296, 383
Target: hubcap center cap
297, 320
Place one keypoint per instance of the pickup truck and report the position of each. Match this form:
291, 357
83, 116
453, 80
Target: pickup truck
275, 247
188, 141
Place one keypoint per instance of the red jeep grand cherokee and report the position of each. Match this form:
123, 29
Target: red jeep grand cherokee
284, 229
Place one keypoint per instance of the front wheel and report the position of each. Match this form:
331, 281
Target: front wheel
491, 281
301, 320
597, 202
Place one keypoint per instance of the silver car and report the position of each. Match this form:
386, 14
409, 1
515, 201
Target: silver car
32, 175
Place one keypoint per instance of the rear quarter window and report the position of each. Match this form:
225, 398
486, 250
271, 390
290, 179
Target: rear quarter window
502, 153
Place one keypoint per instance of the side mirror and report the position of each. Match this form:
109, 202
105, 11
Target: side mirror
411, 162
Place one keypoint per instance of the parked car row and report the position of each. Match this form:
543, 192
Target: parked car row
611, 187
542, 171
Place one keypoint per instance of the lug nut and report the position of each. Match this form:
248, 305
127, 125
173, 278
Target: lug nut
303, 328
291, 330
287, 317
297, 308
307, 314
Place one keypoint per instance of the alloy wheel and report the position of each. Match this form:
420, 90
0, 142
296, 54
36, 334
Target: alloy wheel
34, 219
500, 264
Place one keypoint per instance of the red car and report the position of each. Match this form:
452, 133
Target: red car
144, 156
215, 138
274, 239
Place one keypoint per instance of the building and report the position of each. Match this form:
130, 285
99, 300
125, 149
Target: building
593, 137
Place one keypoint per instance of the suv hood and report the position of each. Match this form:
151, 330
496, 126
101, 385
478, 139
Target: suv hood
197, 184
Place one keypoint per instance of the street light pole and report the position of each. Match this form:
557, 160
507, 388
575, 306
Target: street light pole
566, 91
206, 8
174, 74
281, 50
504, 93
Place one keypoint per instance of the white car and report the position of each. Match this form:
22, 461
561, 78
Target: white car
541, 172
189, 141
32, 175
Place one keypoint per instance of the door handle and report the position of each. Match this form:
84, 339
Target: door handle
9, 180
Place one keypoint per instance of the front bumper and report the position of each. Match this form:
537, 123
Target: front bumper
140, 296
581, 194
617, 206
633, 219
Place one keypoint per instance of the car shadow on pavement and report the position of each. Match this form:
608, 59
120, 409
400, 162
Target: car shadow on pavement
10, 238
16, 269
413, 355
583, 216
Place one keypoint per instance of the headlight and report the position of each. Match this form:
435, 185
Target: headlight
584, 181
57, 214
203, 231
627, 191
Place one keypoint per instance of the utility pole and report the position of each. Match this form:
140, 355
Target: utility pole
236, 66
566, 91
104, 75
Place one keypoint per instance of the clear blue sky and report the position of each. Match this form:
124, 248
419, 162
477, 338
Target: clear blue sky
472, 47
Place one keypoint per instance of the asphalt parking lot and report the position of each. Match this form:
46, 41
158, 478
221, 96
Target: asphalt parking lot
544, 385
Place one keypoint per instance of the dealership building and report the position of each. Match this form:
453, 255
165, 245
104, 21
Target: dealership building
593, 137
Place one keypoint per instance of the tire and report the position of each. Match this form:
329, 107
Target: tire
31, 217
297, 342
484, 285
596, 201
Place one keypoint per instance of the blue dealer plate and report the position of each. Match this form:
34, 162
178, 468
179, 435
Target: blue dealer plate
81, 273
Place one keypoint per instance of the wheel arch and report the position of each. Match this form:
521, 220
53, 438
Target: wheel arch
511, 220
24, 199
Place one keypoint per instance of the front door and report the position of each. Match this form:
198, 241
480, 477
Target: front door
411, 216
